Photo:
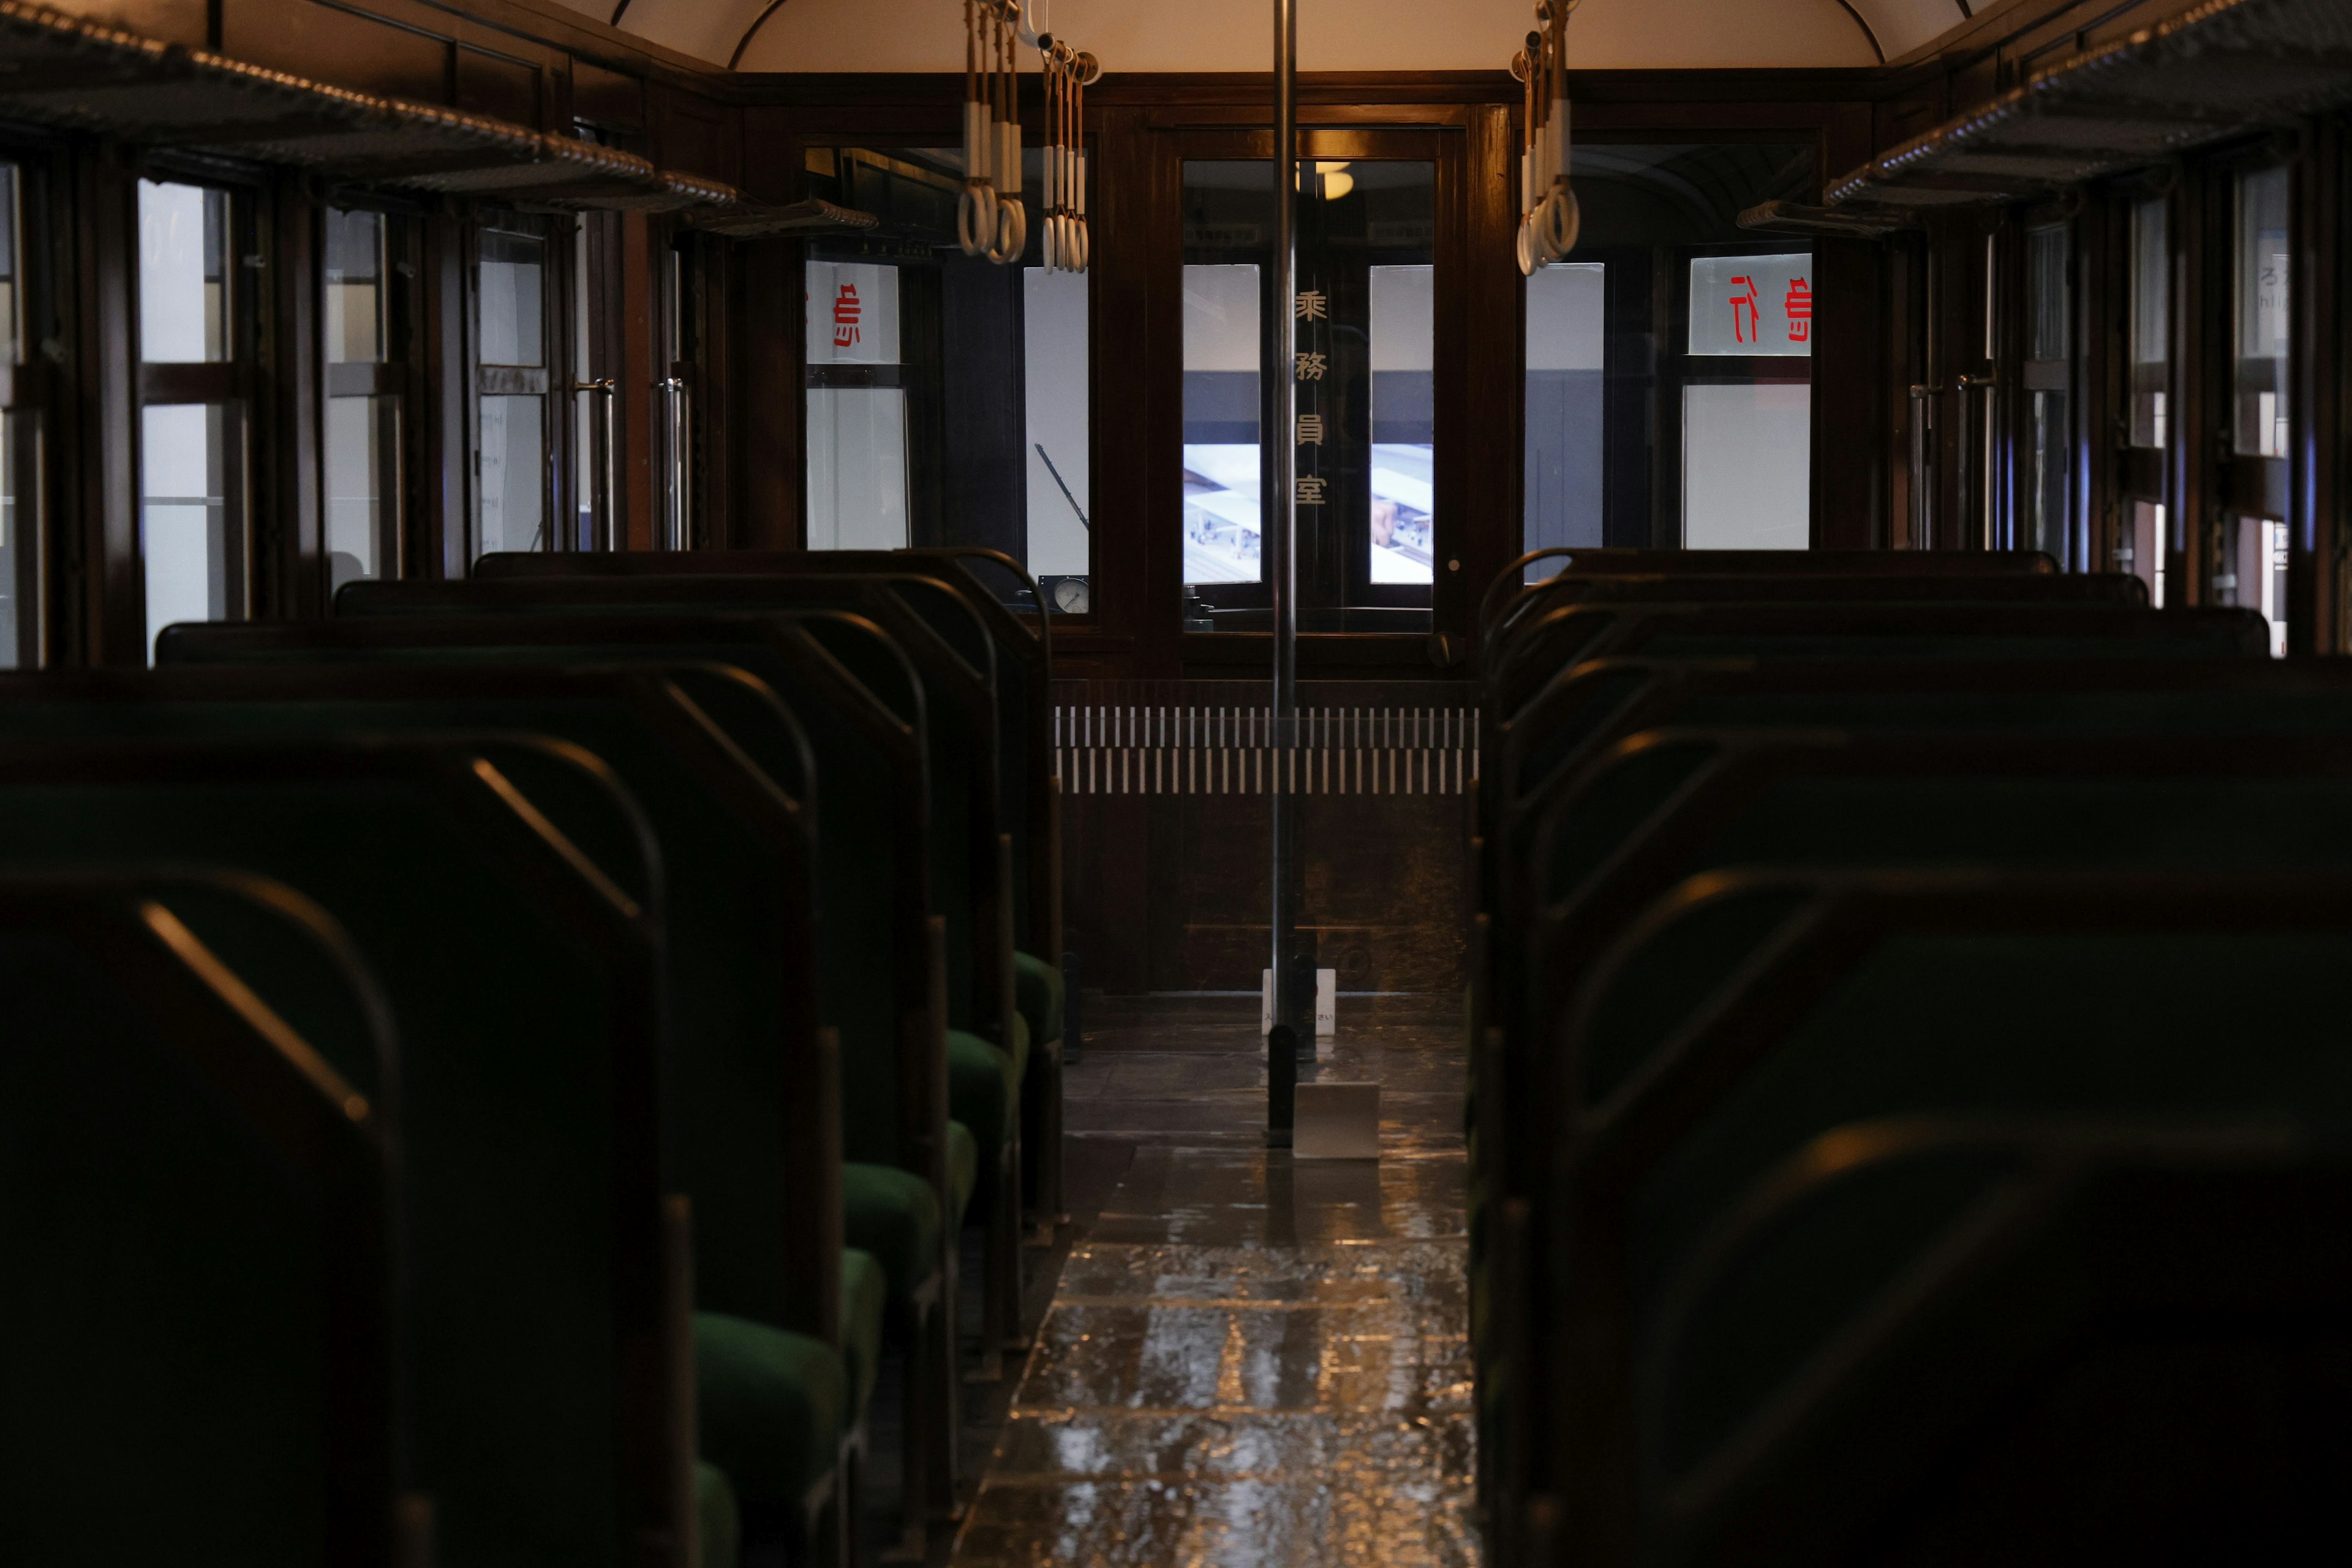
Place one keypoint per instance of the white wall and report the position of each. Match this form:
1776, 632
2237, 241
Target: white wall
1333, 35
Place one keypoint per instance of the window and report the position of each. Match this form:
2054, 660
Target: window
856, 408
2254, 563
2148, 546
193, 540
676, 408
2262, 273
2151, 321
364, 471
22, 572
2048, 371
1054, 339
946, 395
512, 459
1747, 422
1222, 342
1566, 330
1364, 444
1404, 488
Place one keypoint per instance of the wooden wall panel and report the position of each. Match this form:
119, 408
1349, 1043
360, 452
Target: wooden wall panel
327, 43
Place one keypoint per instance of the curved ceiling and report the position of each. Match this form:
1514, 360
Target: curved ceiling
1333, 35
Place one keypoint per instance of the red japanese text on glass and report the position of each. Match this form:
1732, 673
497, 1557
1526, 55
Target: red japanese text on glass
1744, 298
847, 311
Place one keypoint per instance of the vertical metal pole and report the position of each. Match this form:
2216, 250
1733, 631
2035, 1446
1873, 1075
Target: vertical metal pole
1280, 553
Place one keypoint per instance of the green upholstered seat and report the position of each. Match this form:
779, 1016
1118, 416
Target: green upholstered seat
1021, 1037
983, 1085
723, 1528
865, 1292
1037, 991
963, 1167
891, 1215
772, 1408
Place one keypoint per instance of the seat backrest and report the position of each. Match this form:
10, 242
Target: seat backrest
196, 1207
525, 986
876, 980
748, 1132
1509, 594
1573, 633
1024, 674
2041, 1339
1899, 993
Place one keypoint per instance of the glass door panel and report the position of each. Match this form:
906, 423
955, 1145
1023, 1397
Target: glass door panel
1364, 444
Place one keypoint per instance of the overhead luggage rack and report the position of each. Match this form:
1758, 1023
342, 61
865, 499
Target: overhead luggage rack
2214, 71
74, 74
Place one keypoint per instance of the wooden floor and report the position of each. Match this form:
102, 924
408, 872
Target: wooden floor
1247, 1360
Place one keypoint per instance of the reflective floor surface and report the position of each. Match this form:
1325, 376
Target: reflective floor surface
1249, 1360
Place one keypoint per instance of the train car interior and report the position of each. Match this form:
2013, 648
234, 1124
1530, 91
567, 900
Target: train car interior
1067, 784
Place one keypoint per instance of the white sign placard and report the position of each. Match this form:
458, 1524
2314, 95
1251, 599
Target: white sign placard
1752, 305
852, 313
1327, 1003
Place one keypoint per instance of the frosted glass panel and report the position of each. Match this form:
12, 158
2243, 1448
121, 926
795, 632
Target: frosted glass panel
1053, 343
513, 489
1747, 466
1220, 424
1752, 305
852, 314
361, 433
856, 467
183, 521
182, 273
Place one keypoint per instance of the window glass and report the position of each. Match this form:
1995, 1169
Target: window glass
1222, 528
363, 424
2262, 313
12, 304
1747, 465
355, 275
1566, 330
925, 365
1054, 347
363, 465
1751, 305
2150, 544
1404, 353
187, 452
184, 273
511, 473
2254, 573
856, 408
19, 557
1363, 447
190, 453
2048, 383
2151, 321
513, 495
513, 321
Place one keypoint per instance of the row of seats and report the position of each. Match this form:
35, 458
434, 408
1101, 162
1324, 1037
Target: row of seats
1910, 1082
492, 1075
